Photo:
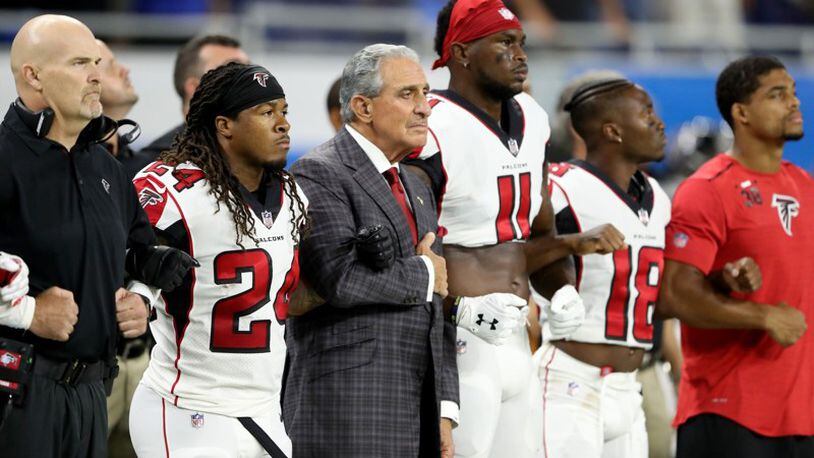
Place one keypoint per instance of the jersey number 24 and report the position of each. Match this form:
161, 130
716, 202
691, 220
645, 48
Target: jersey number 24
226, 314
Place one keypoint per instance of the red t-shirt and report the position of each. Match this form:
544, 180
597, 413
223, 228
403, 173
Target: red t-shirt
721, 213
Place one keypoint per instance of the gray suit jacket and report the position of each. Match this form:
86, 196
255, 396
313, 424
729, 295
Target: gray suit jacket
359, 362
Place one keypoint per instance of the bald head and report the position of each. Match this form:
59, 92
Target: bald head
55, 62
43, 38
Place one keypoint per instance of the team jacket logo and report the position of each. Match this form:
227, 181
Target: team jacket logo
787, 209
8, 359
149, 197
750, 193
261, 78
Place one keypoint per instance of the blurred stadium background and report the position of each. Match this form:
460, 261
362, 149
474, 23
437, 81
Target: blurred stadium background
674, 48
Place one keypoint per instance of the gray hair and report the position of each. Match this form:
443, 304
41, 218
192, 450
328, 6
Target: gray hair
362, 74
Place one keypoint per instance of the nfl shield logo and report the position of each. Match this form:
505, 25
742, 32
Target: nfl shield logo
197, 420
460, 346
513, 148
268, 218
644, 216
680, 239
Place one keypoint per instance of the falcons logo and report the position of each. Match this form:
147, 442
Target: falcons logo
261, 78
787, 209
7, 359
149, 197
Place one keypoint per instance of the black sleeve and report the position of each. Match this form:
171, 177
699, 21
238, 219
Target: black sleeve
434, 169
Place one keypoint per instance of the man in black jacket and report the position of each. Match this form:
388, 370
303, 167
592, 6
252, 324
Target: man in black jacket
72, 214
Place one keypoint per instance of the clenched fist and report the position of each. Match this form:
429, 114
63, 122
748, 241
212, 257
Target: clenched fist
55, 314
785, 324
742, 276
602, 239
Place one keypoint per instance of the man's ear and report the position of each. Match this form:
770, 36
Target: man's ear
31, 76
611, 132
190, 85
362, 107
224, 126
459, 52
739, 113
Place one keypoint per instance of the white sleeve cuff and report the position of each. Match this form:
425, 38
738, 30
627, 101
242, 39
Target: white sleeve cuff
152, 294
451, 411
431, 281
19, 316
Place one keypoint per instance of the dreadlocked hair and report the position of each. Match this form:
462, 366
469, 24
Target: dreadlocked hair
198, 145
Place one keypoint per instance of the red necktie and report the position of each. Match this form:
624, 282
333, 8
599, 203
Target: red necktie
392, 177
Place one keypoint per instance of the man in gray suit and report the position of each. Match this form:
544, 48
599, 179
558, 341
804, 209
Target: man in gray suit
371, 368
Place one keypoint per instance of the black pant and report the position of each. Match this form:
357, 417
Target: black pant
57, 421
713, 436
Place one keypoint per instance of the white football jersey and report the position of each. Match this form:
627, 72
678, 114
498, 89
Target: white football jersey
220, 343
492, 180
619, 289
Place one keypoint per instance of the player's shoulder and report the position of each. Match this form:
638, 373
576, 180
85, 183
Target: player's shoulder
558, 171
529, 105
796, 172
176, 177
718, 168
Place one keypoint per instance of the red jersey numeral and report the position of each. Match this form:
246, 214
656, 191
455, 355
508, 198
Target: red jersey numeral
646, 283
187, 178
507, 217
292, 279
157, 168
226, 336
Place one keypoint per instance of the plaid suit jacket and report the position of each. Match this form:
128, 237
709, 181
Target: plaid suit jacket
358, 362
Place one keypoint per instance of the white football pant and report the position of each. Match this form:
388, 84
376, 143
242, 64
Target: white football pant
160, 429
586, 415
501, 401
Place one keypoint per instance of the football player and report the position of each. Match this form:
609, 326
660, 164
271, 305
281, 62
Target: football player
591, 399
485, 160
221, 195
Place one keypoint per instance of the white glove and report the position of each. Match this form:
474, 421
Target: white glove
565, 313
492, 317
12, 293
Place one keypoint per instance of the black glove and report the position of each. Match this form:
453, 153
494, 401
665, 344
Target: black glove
159, 266
375, 247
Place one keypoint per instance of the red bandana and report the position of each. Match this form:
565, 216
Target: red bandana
473, 19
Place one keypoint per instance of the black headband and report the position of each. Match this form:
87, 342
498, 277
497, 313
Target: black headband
252, 86
594, 88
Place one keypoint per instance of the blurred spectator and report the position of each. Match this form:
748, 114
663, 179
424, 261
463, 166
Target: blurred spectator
697, 141
196, 57
779, 11
565, 143
540, 17
333, 105
118, 98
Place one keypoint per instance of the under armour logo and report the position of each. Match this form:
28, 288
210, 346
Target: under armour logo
492, 325
787, 209
261, 78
